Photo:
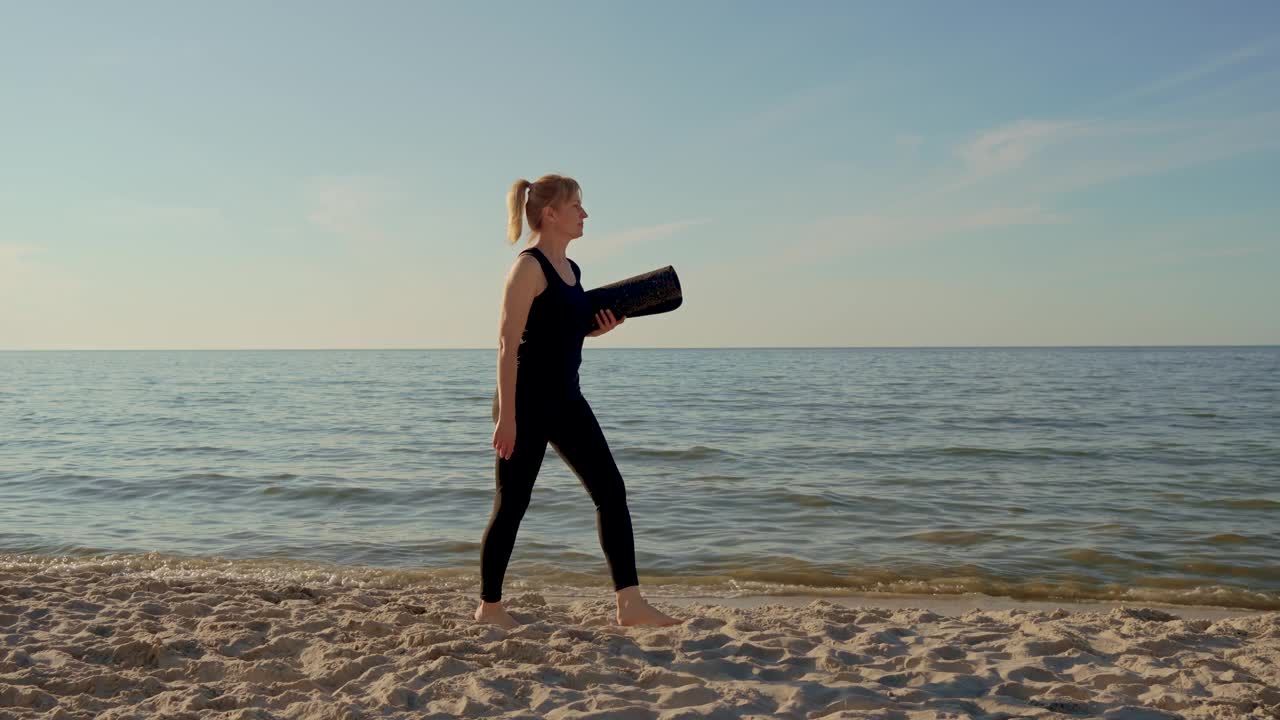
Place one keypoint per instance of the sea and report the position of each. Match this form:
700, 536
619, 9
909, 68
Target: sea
1135, 474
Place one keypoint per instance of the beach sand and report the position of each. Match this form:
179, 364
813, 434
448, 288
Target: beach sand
91, 643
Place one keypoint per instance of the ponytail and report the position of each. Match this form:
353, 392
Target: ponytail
515, 209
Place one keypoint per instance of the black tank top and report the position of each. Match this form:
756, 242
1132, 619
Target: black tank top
550, 350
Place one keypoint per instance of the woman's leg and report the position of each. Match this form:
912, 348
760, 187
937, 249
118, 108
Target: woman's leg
580, 442
514, 477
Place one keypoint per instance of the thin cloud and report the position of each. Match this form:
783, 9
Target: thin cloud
1198, 72
893, 228
1007, 148
12, 258
12, 251
1245, 90
1116, 152
783, 112
1230, 252
846, 234
1029, 163
349, 206
1046, 159
1140, 263
360, 209
154, 216
31, 292
1065, 154
910, 142
616, 241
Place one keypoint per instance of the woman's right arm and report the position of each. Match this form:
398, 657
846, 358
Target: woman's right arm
524, 282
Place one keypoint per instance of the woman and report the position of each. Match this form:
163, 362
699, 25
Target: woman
545, 316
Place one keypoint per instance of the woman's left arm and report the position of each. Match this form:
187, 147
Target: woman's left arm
605, 320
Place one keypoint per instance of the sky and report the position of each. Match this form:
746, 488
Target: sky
333, 175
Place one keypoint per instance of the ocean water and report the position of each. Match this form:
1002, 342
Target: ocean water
1077, 473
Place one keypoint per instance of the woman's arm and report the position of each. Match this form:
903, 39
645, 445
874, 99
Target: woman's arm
605, 320
524, 282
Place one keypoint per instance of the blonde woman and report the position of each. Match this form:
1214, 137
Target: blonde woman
545, 316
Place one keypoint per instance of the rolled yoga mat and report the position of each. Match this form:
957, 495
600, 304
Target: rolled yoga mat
648, 294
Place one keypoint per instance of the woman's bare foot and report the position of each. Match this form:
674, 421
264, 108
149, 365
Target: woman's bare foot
495, 614
635, 610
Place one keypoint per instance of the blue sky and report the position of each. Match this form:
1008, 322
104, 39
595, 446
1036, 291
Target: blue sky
332, 175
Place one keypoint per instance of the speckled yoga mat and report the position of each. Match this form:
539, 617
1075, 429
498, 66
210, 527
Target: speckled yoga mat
648, 294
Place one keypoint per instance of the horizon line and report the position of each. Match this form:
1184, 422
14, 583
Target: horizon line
671, 347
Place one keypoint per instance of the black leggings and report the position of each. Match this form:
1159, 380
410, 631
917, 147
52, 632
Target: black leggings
570, 426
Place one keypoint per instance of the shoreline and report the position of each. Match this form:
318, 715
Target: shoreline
953, 604
666, 588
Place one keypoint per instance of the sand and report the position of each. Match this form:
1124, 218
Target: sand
89, 643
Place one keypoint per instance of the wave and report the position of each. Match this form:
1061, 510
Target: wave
53, 478
335, 493
158, 422
208, 449
717, 478
958, 537
1242, 503
1029, 453
1091, 557
780, 499
206, 476
185, 450
697, 452
1228, 539
1039, 422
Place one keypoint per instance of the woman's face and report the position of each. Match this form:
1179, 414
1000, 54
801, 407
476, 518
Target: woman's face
567, 218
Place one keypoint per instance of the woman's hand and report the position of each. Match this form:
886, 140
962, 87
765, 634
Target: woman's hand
504, 437
605, 320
